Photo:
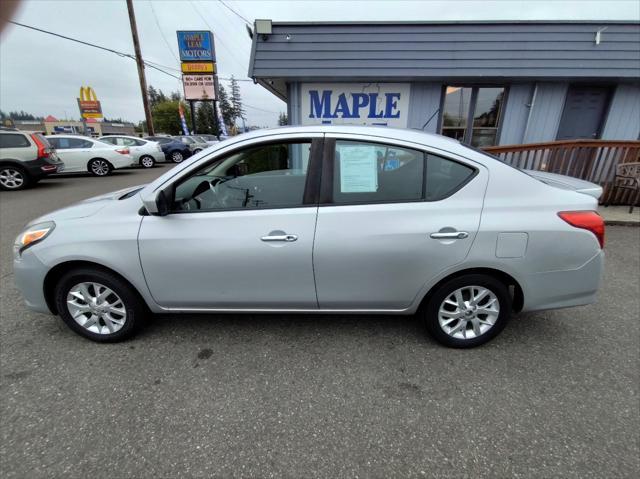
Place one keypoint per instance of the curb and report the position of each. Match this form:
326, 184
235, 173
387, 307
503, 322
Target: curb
621, 223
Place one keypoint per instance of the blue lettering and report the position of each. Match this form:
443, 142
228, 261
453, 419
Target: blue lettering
320, 107
391, 105
373, 100
360, 100
342, 107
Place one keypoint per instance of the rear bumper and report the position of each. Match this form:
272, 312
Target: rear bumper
564, 289
40, 168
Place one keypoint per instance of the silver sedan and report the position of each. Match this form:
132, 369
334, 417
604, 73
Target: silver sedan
322, 220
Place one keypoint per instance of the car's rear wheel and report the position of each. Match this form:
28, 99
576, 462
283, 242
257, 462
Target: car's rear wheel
98, 305
100, 167
147, 161
13, 178
468, 310
177, 156
197, 150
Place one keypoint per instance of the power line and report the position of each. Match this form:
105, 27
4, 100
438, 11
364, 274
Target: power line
236, 13
232, 56
111, 50
153, 10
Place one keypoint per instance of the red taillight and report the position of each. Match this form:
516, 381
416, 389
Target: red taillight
588, 220
123, 151
43, 150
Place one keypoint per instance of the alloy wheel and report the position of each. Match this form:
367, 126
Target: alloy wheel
147, 161
176, 157
11, 178
469, 312
100, 167
96, 308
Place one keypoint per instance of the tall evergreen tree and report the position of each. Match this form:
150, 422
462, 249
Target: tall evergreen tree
282, 119
225, 106
206, 122
236, 100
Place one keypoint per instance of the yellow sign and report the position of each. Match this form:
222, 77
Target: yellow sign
87, 94
88, 103
198, 67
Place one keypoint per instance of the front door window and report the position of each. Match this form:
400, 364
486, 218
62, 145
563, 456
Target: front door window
266, 176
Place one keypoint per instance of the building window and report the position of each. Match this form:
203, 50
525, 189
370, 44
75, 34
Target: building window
472, 114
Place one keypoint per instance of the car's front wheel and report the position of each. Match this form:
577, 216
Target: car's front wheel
197, 150
99, 167
13, 178
98, 305
177, 156
147, 161
468, 310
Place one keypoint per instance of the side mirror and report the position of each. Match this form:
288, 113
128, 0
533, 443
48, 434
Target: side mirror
160, 203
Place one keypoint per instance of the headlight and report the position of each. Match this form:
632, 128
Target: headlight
32, 235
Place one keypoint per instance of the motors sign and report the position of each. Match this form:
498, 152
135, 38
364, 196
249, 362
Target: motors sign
88, 103
196, 46
385, 104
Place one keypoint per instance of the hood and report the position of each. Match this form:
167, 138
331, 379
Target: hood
87, 207
567, 183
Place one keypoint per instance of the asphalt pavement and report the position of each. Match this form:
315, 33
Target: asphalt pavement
555, 395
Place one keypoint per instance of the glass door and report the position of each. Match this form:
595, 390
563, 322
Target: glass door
472, 114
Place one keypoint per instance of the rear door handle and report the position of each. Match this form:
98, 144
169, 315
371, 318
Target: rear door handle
287, 238
450, 235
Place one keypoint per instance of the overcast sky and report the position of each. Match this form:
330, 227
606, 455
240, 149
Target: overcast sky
42, 74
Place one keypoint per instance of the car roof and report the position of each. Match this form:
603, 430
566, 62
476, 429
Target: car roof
81, 137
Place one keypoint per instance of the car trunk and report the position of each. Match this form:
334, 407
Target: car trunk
567, 183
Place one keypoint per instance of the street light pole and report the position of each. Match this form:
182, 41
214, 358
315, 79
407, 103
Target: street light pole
143, 80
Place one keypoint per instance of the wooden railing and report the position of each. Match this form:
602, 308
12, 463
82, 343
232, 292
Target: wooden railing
591, 160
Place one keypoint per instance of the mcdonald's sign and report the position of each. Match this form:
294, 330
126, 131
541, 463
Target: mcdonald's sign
89, 104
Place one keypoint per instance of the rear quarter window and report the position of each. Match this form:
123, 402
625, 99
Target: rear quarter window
14, 140
445, 177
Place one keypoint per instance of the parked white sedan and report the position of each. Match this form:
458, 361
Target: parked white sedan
145, 152
80, 153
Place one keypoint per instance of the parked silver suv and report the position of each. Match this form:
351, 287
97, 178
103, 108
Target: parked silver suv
25, 158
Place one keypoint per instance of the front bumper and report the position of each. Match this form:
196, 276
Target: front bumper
29, 273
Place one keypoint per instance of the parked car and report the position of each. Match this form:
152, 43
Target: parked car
174, 150
209, 139
145, 152
81, 153
322, 219
195, 144
25, 158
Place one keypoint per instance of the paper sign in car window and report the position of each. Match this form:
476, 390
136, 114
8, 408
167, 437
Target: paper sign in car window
358, 169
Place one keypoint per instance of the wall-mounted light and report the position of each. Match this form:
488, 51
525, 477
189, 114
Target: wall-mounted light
599, 35
263, 27
288, 37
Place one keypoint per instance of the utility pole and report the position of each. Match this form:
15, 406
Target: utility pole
143, 80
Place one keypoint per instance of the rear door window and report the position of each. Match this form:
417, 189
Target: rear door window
13, 140
366, 172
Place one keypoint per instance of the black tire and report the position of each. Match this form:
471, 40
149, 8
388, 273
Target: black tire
14, 178
197, 150
147, 161
431, 313
133, 305
177, 156
99, 167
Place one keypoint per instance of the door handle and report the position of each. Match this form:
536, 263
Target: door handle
450, 235
287, 238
